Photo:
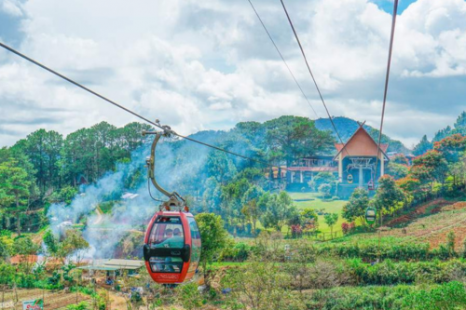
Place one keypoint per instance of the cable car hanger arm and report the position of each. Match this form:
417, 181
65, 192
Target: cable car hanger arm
175, 199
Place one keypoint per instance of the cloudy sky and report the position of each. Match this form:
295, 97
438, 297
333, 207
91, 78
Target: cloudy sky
208, 64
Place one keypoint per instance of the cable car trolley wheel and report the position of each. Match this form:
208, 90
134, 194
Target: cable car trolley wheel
172, 244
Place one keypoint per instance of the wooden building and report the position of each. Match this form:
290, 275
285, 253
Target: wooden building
358, 163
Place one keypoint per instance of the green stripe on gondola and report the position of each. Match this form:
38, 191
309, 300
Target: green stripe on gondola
371, 215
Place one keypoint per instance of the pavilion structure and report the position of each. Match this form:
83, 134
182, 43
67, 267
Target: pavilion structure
359, 162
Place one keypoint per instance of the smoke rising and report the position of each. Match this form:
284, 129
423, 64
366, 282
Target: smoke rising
180, 167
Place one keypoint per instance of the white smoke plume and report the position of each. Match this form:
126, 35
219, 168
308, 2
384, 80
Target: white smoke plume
134, 208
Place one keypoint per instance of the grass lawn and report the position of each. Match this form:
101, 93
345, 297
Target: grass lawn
334, 206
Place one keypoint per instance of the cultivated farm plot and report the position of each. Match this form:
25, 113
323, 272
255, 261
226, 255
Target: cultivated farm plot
432, 228
52, 300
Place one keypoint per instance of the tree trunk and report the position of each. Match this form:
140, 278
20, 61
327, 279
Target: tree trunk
18, 214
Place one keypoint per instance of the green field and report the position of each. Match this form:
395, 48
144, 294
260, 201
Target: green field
334, 206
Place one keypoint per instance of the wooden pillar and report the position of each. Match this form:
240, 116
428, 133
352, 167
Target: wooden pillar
382, 165
340, 167
292, 176
301, 176
361, 177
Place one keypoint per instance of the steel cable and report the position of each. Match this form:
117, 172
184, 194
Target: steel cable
283, 58
124, 108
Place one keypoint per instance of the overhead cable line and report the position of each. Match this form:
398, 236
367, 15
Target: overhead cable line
387, 76
310, 72
281, 56
156, 124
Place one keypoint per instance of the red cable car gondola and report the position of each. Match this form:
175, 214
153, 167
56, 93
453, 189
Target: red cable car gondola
172, 244
172, 247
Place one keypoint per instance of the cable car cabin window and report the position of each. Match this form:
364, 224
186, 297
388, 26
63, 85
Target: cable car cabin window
196, 244
167, 232
166, 264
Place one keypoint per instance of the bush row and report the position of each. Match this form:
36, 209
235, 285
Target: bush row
367, 252
446, 296
372, 251
389, 272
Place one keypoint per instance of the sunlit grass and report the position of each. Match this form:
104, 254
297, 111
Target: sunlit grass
316, 203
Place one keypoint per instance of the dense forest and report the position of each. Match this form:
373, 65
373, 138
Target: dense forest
46, 168
459, 127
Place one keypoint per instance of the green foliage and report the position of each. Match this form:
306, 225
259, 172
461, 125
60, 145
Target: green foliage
189, 296
7, 273
327, 178
325, 189
16, 189
23, 245
261, 285
293, 137
357, 205
458, 128
451, 243
331, 219
400, 297
250, 201
389, 197
51, 242
447, 296
429, 167
237, 252
54, 280
66, 195
423, 146
397, 171
81, 306
389, 273
74, 243
386, 250
277, 210
213, 236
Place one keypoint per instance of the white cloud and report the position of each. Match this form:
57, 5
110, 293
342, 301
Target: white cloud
208, 64
12, 8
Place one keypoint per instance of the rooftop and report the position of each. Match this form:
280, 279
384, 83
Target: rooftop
114, 264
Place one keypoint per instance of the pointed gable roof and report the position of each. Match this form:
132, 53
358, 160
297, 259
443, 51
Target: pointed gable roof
360, 144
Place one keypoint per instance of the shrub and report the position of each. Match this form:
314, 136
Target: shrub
372, 251
399, 297
189, 296
447, 296
390, 273
345, 227
325, 189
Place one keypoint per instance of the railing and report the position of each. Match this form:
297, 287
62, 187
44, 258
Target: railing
316, 163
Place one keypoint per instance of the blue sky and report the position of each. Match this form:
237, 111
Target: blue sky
208, 64
387, 6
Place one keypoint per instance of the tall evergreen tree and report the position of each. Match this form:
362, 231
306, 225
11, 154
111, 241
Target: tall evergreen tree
423, 146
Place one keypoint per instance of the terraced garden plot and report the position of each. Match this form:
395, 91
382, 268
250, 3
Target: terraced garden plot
432, 229
52, 300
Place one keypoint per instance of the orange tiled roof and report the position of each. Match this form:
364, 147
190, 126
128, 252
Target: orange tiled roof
17, 259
